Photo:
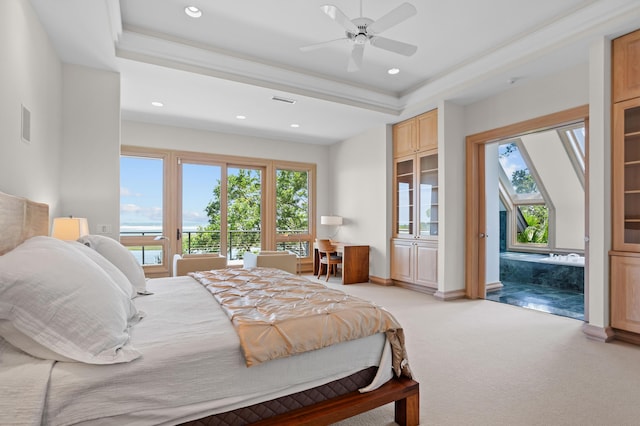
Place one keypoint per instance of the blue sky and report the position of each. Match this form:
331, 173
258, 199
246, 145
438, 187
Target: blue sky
141, 192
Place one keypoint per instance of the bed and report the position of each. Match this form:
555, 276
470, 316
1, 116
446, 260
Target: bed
180, 360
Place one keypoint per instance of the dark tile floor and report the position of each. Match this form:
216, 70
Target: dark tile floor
542, 298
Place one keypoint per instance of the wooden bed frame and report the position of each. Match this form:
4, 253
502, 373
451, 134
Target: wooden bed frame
21, 219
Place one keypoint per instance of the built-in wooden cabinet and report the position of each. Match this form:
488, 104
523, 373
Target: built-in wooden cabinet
415, 262
625, 294
417, 134
414, 247
626, 68
625, 256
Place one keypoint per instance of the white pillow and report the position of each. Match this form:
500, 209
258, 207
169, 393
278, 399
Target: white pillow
120, 256
54, 297
112, 270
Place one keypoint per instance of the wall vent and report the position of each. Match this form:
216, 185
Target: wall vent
26, 124
285, 100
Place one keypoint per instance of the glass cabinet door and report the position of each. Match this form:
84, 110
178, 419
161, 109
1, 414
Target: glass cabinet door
404, 198
428, 196
632, 176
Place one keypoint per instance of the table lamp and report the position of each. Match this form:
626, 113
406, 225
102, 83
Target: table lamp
69, 228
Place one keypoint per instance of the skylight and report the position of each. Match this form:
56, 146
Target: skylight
520, 183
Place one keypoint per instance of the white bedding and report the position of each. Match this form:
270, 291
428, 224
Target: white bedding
191, 366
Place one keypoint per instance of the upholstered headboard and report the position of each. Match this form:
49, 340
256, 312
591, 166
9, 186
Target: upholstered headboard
21, 219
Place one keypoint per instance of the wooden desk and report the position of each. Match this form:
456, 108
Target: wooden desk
355, 262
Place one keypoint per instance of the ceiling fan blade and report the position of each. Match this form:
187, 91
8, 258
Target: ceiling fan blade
337, 15
395, 46
355, 60
397, 15
320, 45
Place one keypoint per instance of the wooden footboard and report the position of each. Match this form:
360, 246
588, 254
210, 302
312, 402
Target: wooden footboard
404, 392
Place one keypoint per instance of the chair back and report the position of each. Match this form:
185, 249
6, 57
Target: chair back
325, 246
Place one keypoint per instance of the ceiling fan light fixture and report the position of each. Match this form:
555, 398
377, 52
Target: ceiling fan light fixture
193, 11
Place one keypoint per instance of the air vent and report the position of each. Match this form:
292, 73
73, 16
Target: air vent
285, 100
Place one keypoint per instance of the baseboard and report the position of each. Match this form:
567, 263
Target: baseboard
450, 295
494, 286
626, 336
600, 334
381, 281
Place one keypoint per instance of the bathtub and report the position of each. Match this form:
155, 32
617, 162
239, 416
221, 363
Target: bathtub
559, 271
571, 259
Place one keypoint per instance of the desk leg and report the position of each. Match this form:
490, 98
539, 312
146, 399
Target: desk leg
316, 261
355, 264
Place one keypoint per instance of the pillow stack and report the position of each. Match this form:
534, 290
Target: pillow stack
119, 256
63, 301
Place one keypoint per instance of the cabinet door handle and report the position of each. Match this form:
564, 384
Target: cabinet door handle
484, 235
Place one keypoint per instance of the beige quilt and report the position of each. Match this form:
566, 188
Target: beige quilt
277, 314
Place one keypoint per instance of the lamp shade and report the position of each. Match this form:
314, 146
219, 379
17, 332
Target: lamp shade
331, 220
69, 228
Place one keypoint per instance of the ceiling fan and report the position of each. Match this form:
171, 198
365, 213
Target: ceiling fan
361, 30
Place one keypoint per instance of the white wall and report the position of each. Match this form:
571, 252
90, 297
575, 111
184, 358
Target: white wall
361, 185
599, 208
493, 204
91, 150
451, 200
563, 187
530, 99
30, 75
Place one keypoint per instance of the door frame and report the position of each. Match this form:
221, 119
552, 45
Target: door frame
475, 209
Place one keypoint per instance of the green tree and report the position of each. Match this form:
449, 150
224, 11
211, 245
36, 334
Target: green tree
292, 201
523, 182
244, 196
537, 230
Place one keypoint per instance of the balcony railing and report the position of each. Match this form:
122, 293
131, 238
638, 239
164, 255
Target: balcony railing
209, 242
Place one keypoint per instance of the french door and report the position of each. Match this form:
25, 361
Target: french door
222, 209
177, 202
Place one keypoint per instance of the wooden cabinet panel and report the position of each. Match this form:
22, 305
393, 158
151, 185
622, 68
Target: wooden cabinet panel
426, 265
415, 262
427, 125
404, 138
626, 176
626, 67
625, 293
402, 260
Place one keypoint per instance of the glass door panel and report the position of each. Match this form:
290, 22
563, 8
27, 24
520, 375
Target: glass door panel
141, 210
292, 211
244, 211
201, 199
428, 203
404, 201
632, 175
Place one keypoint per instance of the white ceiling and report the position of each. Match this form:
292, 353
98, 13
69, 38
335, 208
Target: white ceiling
241, 53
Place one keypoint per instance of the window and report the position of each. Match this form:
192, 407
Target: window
573, 138
244, 211
142, 215
293, 211
218, 204
529, 212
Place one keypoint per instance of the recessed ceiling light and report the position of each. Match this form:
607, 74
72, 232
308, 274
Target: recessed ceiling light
393, 71
240, 117
157, 104
193, 11
295, 126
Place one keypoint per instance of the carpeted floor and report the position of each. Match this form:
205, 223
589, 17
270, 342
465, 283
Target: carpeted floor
487, 363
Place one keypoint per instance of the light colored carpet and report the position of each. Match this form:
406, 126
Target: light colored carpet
487, 363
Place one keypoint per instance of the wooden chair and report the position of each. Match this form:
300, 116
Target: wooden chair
328, 256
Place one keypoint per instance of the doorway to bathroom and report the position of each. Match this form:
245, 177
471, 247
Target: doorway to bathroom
530, 240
